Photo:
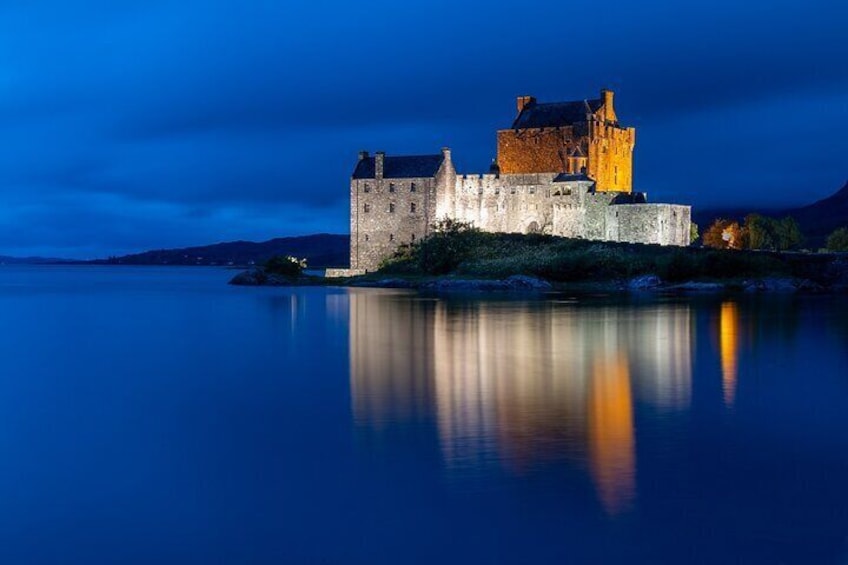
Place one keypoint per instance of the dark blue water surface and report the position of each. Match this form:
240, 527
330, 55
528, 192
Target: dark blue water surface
158, 415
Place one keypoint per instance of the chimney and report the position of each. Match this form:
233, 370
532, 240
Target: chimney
524, 101
446, 153
363, 155
379, 158
609, 109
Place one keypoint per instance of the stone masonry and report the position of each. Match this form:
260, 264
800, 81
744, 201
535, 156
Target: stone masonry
563, 169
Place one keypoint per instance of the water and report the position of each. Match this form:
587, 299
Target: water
159, 415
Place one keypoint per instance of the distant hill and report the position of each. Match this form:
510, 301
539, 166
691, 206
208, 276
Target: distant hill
817, 220
4, 260
320, 250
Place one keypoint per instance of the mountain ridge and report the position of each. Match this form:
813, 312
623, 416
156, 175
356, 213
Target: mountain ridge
319, 250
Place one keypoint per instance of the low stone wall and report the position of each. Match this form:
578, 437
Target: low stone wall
343, 273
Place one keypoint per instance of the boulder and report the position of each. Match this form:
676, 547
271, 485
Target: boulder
252, 277
524, 282
644, 282
771, 285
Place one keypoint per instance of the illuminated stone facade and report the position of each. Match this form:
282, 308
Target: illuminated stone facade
563, 169
570, 137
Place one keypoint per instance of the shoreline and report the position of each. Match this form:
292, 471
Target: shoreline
524, 284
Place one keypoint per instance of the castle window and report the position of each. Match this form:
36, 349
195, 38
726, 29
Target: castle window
497, 190
512, 190
391, 207
366, 208
366, 188
391, 187
532, 190
366, 237
412, 207
480, 190
391, 237
412, 187
413, 237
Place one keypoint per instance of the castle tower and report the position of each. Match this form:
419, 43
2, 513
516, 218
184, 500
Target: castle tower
565, 137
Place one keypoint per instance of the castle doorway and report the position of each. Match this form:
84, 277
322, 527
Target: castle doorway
533, 227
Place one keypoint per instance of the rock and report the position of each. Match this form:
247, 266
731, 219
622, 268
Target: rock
253, 277
807, 285
771, 285
524, 282
644, 282
280, 280
693, 286
258, 277
465, 285
514, 283
392, 283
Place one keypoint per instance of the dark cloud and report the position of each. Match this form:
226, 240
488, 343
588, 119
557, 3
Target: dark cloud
197, 121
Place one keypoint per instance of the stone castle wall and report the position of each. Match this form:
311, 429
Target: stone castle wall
538, 150
663, 224
386, 213
610, 160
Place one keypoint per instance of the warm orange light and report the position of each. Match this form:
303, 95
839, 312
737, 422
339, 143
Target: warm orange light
729, 342
612, 456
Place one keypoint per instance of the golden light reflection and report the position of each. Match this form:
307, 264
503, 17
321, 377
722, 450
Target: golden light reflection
517, 386
729, 346
610, 431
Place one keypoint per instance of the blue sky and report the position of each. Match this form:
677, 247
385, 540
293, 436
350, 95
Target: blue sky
135, 125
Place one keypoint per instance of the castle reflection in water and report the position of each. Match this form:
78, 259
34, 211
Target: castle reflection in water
515, 383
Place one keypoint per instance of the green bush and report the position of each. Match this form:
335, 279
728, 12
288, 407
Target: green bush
838, 241
286, 266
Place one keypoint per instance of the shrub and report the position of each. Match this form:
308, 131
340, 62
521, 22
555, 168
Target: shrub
838, 241
286, 266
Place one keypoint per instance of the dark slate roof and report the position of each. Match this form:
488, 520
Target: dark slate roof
556, 114
631, 198
571, 177
400, 167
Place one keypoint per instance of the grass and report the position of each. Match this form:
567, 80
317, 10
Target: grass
491, 255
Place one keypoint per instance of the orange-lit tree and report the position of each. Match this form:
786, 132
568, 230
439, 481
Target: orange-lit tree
724, 234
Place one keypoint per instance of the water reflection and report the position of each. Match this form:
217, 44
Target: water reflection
729, 347
610, 432
517, 384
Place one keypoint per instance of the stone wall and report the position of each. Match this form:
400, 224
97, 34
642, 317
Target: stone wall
535, 203
542, 150
610, 161
663, 224
386, 213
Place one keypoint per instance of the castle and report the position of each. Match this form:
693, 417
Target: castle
562, 168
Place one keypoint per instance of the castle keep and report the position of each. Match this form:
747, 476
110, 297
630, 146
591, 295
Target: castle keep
563, 169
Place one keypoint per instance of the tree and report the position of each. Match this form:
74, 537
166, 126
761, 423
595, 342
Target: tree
693, 233
770, 234
838, 241
724, 234
287, 266
759, 233
450, 243
789, 234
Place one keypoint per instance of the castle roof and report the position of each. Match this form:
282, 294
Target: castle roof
555, 114
400, 167
571, 177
